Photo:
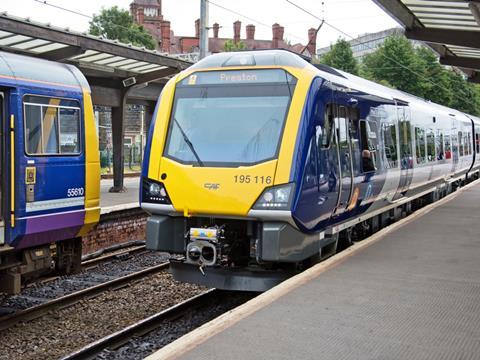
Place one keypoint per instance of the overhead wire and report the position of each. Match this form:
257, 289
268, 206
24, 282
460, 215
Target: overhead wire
370, 47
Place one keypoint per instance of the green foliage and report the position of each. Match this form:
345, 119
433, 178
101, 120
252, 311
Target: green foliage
416, 70
230, 45
341, 57
117, 24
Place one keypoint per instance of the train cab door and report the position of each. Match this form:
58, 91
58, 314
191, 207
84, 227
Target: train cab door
344, 156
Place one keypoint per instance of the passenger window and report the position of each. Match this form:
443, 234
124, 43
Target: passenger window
369, 141
469, 142
52, 126
460, 143
477, 140
326, 136
430, 145
420, 145
448, 147
390, 143
439, 145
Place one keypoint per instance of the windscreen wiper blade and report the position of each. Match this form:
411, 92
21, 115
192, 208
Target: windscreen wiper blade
188, 142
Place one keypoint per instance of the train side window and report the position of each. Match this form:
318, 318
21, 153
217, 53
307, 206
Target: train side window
52, 126
477, 140
460, 143
390, 144
448, 147
430, 145
326, 136
439, 145
469, 143
369, 142
420, 145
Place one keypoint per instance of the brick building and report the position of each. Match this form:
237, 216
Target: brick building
148, 13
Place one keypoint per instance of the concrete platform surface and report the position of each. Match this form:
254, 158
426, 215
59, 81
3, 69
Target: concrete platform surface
413, 294
117, 201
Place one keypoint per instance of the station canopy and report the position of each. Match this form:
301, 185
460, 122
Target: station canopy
450, 27
97, 57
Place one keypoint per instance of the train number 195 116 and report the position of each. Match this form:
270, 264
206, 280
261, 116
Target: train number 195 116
249, 179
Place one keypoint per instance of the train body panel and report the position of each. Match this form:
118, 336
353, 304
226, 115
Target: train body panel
338, 152
50, 165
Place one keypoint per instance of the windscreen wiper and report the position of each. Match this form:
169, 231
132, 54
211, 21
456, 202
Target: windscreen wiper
188, 142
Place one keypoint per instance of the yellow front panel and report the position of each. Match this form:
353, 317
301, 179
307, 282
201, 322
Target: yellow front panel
211, 191
92, 167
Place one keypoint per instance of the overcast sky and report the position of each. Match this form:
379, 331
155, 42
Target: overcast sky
354, 17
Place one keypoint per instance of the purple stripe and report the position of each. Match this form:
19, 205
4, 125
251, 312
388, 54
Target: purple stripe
54, 222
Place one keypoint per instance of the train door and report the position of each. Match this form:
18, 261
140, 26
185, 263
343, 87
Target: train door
344, 155
456, 141
406, 152
2, 174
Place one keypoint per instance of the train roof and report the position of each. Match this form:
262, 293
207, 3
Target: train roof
280, 57
18, 70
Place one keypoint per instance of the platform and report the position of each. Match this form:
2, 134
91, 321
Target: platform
119, 201
411, 291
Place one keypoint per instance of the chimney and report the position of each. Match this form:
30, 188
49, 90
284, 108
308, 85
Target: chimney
312, 41
237, 25
250, 32
140, 16
216, 27
277, 35
165, 31
197, 28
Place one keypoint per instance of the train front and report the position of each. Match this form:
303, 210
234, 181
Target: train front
216, 174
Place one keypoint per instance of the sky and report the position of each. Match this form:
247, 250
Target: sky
353, 17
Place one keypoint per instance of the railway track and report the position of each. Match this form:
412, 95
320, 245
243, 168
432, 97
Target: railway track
72, 298
196, 311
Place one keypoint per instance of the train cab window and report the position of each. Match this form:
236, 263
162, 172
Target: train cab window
460, 143
390, 144
420, 145
52, 126
369, 143
439, 145
430, 145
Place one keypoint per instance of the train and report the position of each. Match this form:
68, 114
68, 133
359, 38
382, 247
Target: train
259, 164
50, 167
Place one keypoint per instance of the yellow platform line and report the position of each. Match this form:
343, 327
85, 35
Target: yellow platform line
198, 336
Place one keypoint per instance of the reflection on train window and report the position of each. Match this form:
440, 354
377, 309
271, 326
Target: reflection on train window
369, 142
405, 136
460, 143
420, 145
430, 145
468, 144
390, 144
52, 126
440, 148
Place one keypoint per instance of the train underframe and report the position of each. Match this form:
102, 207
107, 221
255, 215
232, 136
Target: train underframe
22, 266
254, 255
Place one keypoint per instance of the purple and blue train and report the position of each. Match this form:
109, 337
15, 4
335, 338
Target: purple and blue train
259, 163
49, 164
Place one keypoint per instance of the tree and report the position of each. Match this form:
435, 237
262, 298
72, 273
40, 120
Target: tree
230, 45
341, 57
117, 24
396, 62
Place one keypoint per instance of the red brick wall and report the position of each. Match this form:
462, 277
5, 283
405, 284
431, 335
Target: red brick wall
115, 228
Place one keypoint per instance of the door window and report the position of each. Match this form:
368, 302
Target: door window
369, 141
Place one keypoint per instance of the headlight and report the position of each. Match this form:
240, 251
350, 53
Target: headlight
155, 192
276, 198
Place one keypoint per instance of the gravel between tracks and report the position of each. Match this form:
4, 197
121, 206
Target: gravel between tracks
140, 347
63, 331
109, 270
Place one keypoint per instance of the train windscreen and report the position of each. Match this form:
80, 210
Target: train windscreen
229, 118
